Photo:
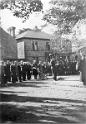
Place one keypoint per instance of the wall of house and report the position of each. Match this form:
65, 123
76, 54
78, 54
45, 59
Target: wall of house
9, 49
8, 46
31, 53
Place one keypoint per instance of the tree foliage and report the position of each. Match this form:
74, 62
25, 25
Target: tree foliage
66, 13
22, 8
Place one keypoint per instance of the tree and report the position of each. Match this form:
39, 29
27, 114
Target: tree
65, 14
22, 8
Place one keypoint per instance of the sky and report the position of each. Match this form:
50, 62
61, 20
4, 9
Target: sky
8, 20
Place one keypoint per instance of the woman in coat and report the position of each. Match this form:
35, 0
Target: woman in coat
82, 68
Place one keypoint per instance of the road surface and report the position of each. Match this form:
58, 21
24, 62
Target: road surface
46, 101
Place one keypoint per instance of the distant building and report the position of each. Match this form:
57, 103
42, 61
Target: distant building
33, 44
8, 46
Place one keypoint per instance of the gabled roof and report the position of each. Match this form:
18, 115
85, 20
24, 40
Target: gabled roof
8, 45
35, 34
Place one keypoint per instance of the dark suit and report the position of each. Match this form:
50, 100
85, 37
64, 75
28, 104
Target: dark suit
14, 73
29, 69
8, 72
20, 73
24, 70
3, 75
35, 71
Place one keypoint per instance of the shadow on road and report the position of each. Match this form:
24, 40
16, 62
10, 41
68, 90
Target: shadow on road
16, 106
15, 98
23, 84
43, 110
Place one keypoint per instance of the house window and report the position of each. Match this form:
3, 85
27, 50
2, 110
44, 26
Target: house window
35, 46
32, 45
47, 46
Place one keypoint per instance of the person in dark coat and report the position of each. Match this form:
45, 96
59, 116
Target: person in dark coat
73, 67
24, 71
40, 70
60, 68
82, 68
14, 72
3, 74
55, 66
20, 72
29, 71
8, 67
44, 70
34, 70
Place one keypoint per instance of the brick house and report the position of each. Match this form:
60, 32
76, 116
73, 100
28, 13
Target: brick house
33, 44
8, 46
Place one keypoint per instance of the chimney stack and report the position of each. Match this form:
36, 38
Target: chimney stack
36, 28
11, 31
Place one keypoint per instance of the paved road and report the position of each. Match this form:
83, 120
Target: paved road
47, 101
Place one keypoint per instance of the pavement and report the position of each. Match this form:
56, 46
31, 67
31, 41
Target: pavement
44, 101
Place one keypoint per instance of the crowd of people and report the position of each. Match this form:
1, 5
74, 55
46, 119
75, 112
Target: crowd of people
13, 71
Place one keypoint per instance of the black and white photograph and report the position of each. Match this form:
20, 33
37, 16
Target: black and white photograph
43, 61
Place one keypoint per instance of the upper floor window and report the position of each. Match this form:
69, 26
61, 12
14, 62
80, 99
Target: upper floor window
35, 45
47, 46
